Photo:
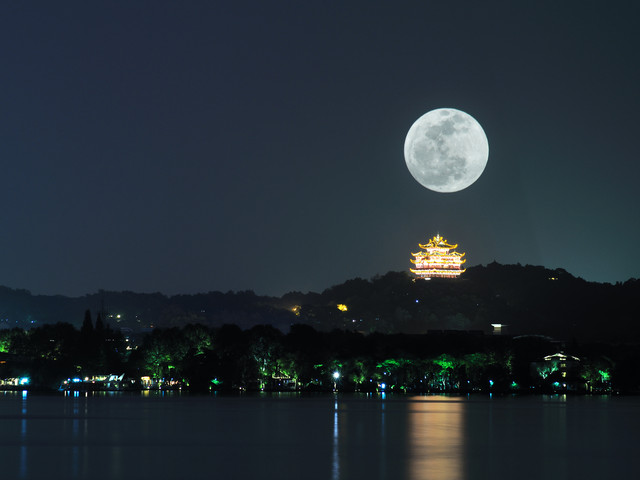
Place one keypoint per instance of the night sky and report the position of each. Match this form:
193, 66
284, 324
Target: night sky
187, 147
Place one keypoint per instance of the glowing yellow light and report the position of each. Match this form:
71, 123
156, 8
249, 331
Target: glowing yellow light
342, 307
438, 258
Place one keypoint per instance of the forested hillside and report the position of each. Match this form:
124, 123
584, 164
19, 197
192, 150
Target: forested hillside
527, 299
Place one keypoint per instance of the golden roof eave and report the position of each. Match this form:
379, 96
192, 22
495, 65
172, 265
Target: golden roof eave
446, 254
437, 271
440, 245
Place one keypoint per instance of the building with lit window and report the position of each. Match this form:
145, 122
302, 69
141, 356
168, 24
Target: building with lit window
437, 258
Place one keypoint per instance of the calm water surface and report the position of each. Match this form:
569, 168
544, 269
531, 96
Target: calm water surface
289, 436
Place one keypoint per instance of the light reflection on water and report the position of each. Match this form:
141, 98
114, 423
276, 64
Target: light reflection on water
436, 438
291, 436
335, 461
23, 436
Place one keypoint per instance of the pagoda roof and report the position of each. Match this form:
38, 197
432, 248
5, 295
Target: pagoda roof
437, 259
439, 254
437, 242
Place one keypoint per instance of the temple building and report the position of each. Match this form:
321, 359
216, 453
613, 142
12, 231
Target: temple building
437, 259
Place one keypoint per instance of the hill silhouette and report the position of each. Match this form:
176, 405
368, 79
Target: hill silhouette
529, 300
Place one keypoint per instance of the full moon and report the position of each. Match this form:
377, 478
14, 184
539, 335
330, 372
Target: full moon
446, 150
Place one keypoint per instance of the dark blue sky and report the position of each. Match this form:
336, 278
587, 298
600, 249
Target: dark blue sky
184, 147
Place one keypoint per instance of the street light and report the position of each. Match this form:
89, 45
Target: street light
336, 376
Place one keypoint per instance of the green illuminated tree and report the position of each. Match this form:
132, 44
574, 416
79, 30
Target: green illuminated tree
157, 360
446, 378
476, 367
400, 373
199, 338
9, 339
596, 374
358, 371
546, 369
265, 348
163, 353
287, 370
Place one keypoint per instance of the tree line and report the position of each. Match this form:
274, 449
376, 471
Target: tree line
203, 358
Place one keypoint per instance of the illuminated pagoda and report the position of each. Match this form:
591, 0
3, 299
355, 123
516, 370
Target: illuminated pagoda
437, 259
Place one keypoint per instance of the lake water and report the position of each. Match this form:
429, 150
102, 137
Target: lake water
290, 436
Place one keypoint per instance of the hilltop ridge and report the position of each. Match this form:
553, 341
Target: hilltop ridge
528, 299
